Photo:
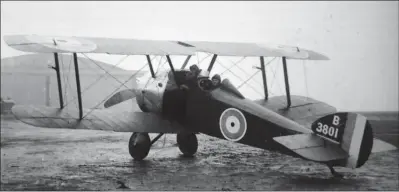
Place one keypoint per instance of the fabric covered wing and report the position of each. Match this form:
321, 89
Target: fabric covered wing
233, 49
255, 50
107, 120
303, 110
51, 44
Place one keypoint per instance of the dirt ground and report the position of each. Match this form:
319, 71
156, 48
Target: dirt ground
60, 159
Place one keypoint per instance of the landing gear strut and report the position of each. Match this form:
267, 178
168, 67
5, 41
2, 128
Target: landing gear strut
140, 144
188, 143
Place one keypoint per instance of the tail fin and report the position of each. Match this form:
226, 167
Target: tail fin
352, 131
348, 138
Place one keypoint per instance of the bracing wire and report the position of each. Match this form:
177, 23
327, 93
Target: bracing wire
274, 79
107, 97
63, 75
239, 78
66, 78
96, 81
200, 61
306, 80
234, 64
159, 65
103, 69
255, 73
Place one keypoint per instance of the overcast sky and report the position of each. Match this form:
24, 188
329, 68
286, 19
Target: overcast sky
360, 38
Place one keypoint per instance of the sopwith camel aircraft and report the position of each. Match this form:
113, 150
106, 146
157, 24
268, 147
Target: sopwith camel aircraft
187, 102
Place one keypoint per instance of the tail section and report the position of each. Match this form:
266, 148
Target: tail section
349, 130
343, 138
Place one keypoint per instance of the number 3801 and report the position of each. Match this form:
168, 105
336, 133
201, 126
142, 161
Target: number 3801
326, 130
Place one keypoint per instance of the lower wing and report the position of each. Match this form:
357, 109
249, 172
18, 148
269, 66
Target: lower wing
97, 119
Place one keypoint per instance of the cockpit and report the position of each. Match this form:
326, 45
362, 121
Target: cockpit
201, 77
171, 88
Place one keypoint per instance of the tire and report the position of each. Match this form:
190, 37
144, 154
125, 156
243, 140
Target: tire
142, 147
188, 143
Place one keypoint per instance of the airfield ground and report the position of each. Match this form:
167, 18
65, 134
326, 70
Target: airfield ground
60, 159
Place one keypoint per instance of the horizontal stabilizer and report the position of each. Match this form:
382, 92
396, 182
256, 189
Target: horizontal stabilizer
97, 119
381, 146
312, 147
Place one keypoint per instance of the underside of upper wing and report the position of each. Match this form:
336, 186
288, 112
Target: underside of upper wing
98, 119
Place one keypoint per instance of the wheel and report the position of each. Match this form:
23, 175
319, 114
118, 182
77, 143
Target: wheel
188, 143
139, 145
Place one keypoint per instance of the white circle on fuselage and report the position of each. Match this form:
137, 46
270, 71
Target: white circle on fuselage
232, 124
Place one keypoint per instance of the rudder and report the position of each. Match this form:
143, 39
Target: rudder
351, 131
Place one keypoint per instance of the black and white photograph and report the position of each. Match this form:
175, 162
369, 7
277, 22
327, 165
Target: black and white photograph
199, 96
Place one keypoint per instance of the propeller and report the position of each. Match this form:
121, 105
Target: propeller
120, 97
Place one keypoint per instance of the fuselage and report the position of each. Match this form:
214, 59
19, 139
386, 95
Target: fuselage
200, 111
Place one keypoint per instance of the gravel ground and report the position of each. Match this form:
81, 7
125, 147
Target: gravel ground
61, 159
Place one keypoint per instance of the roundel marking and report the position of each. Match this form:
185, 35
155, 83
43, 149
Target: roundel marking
233, 124
68, 44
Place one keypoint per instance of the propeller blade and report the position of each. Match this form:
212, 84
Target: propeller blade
119, 97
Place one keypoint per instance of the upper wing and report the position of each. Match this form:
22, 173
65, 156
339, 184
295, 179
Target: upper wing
98, 119
255, 50
49, 44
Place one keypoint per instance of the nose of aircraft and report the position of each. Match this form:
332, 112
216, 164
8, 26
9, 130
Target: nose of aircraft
149, 92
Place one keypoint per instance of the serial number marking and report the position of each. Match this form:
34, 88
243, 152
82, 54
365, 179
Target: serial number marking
327, 130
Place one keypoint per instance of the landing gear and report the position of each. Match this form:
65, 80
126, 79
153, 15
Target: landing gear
139, 145
334, 173
188, 143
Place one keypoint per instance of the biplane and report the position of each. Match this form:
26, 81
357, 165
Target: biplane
187, 102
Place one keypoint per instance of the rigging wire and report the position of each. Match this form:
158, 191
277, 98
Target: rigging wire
66, 78
306, 80
239, 78
200, 61
255, 73
274, 79
103, 69
107, 97
243, 83
60, 60
159, 65
95, 82
234, 64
